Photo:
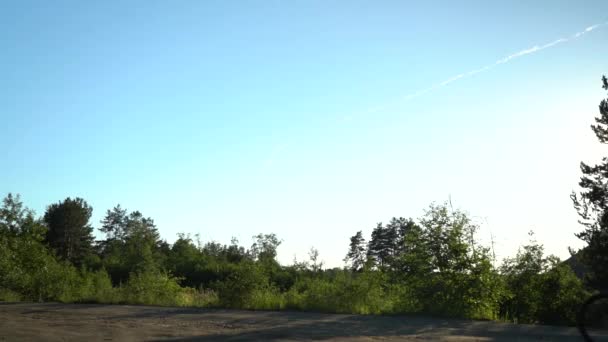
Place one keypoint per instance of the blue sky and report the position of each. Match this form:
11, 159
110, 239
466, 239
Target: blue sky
293, 117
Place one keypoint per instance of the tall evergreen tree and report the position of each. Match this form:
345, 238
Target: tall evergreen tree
592, 206
415, 257
404, 226
356, 252
142, 243
133, 244
391, 238
114, 223
376, 248
387, 243
69, 232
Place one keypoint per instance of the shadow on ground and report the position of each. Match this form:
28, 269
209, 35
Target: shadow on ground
120, 322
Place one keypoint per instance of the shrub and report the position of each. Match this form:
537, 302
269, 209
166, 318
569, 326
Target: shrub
266, 298
198, 298
562, 294
7, 295
97, 288
346, 293
240, 286
152, 288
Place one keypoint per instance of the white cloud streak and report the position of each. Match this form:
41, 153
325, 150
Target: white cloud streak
503, 60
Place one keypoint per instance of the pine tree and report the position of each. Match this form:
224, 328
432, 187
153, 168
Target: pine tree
115, 222
69, 232
356, 252
391, 238
386, 242
376, 248
592, 206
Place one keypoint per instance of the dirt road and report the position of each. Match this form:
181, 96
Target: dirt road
83, 322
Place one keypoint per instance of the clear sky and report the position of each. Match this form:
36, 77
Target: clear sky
309, 119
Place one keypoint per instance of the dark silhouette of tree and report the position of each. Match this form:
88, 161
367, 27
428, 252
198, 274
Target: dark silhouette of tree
235, 253
143, 246
404, 226
379, 246
387, 242
592, 206
114, 223
414, 257
133, 244
356, 252
69, 232
541, 288
184, 259
392, 239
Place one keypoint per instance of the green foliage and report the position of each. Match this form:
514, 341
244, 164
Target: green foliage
523, 278
592, 206
361, 293
541, 289
356, 252
97, 287
265, 298
414, 262
264, 248
153, 288
562, 295
7, 295
133, 244
28, 268
69, 232
443, 269
241, 285
382, 245
434, 266
115, 223
444, 234
12, 215
199, 297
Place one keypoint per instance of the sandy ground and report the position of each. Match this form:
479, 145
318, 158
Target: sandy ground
83, 322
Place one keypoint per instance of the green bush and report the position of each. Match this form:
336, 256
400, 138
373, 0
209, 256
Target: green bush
7, 295
346, 293
97, 288
562, 296
198, 298
435, 268
28, 268
267, 298
152, 288
241, 285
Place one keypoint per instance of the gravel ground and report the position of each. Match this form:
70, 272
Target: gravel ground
84, 322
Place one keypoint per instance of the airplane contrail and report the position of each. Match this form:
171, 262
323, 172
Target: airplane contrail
471, 73
504, 60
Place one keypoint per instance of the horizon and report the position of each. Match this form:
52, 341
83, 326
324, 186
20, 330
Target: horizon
307, 119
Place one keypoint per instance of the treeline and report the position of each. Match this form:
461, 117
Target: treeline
433, 265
